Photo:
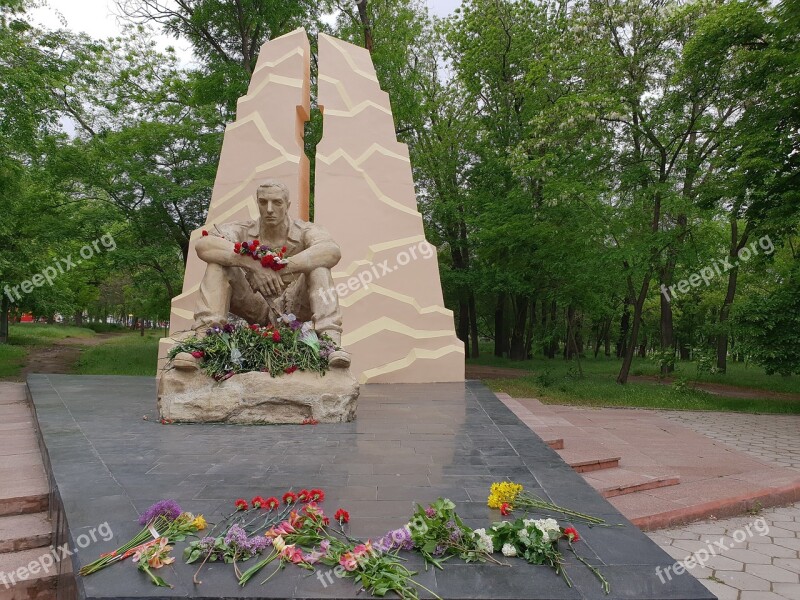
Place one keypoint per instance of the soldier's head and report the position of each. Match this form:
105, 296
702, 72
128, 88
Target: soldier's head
273, 201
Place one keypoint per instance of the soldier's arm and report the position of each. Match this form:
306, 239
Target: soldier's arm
321, 251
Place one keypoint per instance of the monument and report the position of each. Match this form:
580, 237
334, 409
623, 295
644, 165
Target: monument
387, 285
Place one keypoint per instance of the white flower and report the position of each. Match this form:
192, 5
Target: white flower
524, 536
484, 543
509, 550
549, 529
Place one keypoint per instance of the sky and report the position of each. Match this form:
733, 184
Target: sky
98, 19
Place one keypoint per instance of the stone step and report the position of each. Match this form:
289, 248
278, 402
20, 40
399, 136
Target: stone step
584, 461
555, 443
24, 496
23, 575
618, 482
24, 532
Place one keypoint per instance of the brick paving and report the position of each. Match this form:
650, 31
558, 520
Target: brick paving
752, 567
774, 439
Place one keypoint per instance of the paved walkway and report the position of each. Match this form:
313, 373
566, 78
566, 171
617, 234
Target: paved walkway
773, 439
759, 567
752, 557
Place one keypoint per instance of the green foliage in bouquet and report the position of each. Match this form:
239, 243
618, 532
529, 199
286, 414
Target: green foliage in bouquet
226, 351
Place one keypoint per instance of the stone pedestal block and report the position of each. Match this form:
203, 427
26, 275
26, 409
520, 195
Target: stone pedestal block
257, 398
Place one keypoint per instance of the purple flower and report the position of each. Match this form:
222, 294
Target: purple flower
228, 328
431, 512
295, 325
236, 535
257, 544
439, 550
397, 538
170, 509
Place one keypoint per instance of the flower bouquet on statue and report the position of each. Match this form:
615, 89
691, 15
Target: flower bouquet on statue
268, 257
280, 349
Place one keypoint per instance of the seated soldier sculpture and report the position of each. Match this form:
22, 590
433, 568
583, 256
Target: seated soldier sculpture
234, 283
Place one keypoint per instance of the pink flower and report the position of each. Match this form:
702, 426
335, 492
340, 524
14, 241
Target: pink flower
292, 554
348, 561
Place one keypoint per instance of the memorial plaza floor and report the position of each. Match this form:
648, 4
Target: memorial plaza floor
765, 563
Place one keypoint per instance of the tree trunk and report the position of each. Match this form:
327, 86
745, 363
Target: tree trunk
5, 306
365, 23
733, 276
667, 339
463, 325
630, 348
553, 339
500, 325
624, 328
517, 349
545, 344
473, 326
530, 331
78, 318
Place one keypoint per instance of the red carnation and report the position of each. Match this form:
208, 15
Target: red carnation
572, 534
241, 504
198, 353
317, 495
326, 521
237, 247
303, 496
256, 243
289, 498
258, 502
505, 509
283, 250
276, 336
290, 370
205, 233
342, 516
271, 503
254, 327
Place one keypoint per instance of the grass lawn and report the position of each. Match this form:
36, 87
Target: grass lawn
558, 381
41, 334
127, 354
11, 359
22, 336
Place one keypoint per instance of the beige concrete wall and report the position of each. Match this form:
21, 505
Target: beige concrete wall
395, 325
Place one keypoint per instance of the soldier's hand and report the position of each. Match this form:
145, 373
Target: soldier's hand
266, 281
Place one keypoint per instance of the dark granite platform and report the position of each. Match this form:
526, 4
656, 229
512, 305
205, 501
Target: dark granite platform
410, 443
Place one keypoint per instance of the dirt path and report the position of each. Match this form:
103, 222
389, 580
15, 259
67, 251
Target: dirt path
719, 389
722, 389
60, 357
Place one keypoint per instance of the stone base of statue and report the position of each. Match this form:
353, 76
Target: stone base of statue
190, 396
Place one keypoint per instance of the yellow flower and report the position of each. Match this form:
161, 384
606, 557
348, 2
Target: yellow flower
199, 523
503, 492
